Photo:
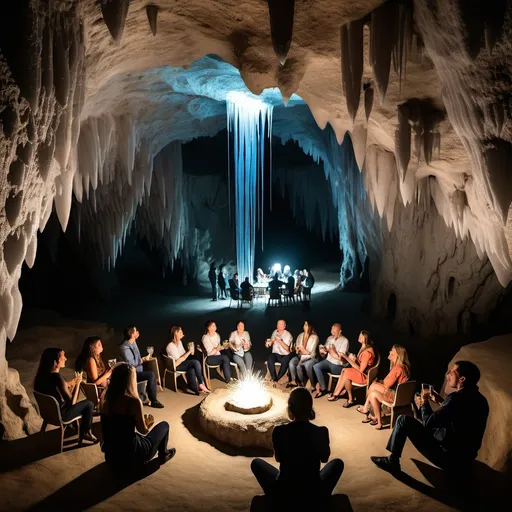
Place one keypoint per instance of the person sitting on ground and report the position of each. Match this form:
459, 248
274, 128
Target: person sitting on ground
301, 365
91, 362
49, 381
212, 276
299, 447
274, 287
449, 437
215, 354
221, 281
130, 354
129, 437
335, 345
247, 290
183, 362
399, 372
358, 371
281, 343
240, 342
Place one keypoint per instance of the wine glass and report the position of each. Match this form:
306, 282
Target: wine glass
191, 347
112, 362
151, 351
426, 390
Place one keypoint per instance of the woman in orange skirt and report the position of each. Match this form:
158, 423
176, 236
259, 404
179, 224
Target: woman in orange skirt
399, 372
358, 373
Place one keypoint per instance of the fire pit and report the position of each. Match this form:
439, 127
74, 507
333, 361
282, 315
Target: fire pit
245, 413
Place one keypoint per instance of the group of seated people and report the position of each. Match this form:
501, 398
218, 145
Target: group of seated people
446, 436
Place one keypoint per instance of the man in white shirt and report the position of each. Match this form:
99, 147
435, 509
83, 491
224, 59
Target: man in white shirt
335, 345
281, 343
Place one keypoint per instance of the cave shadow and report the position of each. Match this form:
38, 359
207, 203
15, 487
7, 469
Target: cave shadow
190, 420
337, 503
481, 489
39, 446
92, 487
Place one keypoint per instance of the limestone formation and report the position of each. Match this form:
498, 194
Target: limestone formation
93, 108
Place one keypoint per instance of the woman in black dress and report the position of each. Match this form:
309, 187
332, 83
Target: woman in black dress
49, 381
129, 437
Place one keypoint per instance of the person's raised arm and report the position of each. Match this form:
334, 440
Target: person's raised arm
325, 448
440, 418
135, 410
283, 344
63, 389
91, 370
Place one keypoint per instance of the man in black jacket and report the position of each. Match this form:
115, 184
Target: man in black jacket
449, 437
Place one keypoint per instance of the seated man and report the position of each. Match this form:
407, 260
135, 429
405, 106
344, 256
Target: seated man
274, 288
233, 284
281, 343
247, 289
130, 353
449, 437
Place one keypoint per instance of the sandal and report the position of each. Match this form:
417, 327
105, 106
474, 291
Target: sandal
348, 404
333, 398
379, 428
373, 423
367, 420
360, 409
320, 394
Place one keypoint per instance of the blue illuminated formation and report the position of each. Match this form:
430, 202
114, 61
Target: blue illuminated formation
250, 122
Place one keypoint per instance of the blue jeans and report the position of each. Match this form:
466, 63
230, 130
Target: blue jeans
223, 361
151, 386
194, 372
244, 363
302, 371
322, 368
85, 408
267, 476
284, 360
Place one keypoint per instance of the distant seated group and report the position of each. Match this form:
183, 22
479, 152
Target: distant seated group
449, 437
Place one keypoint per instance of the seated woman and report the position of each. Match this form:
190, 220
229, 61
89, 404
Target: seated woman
399, 372
50, 382
240, 342
215, 355
299, 447
358, 371
91, 362
176, 351
301, 366
121, 416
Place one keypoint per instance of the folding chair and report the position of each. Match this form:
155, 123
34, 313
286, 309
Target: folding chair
170, 367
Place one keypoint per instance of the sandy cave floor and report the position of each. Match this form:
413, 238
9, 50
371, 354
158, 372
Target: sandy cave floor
205, 474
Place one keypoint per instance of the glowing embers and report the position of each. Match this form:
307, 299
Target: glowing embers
247, 118
249, 395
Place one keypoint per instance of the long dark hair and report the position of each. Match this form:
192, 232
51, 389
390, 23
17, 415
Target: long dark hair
87, 352
121, 383
300, 405
46, 365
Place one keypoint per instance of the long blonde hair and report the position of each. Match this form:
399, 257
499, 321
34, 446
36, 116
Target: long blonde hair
402, 359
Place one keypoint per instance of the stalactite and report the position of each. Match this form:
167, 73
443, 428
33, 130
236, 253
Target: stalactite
403, 140
351, 37
281, 14
152, 13
403, 41
382, 39
114, 13
368, 99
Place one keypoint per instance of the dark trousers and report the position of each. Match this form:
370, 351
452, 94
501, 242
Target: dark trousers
223, 361
285, 363
84, 408
422, 438
267, 475
151, 386
194, 372
214, 291
159, 436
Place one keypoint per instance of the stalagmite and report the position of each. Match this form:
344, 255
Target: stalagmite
281, 14
351, 37
114, 13
152, 13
